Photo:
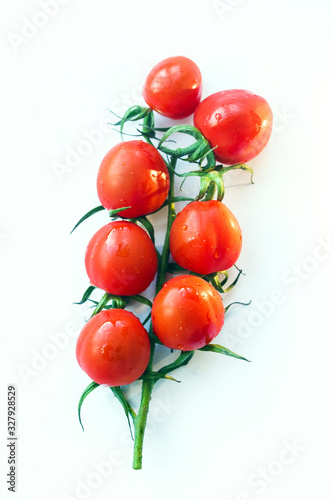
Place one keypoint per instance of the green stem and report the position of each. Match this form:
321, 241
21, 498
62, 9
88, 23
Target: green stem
164, 261
102, 303
147, 385
141, 420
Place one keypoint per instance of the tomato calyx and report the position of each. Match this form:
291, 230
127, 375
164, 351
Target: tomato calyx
212, 182
218, 280
110, 301
136, 113
201, 153
198, 152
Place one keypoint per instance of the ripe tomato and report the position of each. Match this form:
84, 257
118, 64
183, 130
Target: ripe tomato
133, 174
173, 87
121, 259
237, 123
205, 237
113, 348
187, 313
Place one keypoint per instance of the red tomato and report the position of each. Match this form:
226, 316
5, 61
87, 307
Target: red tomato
121, 259
237, 123
205, 237
133, 174
113, 348
173, 87
187, 313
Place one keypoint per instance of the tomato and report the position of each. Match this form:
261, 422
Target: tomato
113, 348
173, 87
237, 123
121, 258
133, 174
205, 237
187, 313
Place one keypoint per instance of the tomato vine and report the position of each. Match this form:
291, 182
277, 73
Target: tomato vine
200, 154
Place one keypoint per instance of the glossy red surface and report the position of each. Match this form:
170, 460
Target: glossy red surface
121, 258
113, 348
187, 313
237, 123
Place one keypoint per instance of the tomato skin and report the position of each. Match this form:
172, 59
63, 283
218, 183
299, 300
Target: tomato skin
187, 313
113, 348
133, 174
205, 237
173, 87
237, 123
121, 258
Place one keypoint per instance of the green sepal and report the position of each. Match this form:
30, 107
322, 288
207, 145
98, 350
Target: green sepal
234, 303
222, 350
143, 300
217, 283
157, 376
231, 286
148, 131
210, 184
85, 393
88, 214
129, 412
114, 212
182, 360
86, 295
175, 199
176, 268
195, 153
134, 113
157, 129
118, 302
213, 278
238, 166
211, 180
153, 338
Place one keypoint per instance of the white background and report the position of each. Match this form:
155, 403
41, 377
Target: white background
231, 430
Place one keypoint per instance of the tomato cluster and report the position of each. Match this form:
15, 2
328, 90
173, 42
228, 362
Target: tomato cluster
204, 239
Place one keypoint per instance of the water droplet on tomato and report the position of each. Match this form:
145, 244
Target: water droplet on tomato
185, 227
217, 254
180, 346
